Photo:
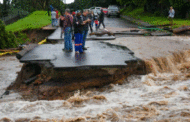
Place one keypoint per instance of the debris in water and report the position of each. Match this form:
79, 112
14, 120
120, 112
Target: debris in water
170, 94
6, 120
159, 103
22, 120
77, 119
99, 97
185, 88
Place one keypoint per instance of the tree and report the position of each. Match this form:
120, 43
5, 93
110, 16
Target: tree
7, 39
5, 7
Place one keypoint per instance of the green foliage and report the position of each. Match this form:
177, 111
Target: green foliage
7, 39
155, 20
157, 13
33, 5
182, 7
35, 20
22, 38
136, 13
139, 3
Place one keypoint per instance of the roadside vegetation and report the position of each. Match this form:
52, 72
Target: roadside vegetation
153, 19
12, 35
155, 12
35, 20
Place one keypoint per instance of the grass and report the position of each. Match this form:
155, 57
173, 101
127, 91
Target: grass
152, 19
35, 20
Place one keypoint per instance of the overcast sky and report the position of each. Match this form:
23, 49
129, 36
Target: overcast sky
67, 1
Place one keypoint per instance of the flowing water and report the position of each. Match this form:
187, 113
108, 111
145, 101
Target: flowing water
161, 95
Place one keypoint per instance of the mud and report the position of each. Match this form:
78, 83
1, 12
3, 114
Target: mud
59, 85
37, 35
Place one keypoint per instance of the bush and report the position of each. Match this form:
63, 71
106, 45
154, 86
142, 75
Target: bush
157, 13
22, 38
7, 39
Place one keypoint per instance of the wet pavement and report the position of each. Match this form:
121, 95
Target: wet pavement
118, 23
97, 55
110, 23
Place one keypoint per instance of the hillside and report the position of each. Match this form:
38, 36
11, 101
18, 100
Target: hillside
35, 20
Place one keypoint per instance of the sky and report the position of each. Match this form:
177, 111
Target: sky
67, 1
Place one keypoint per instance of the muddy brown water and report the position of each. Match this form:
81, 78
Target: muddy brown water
162, 95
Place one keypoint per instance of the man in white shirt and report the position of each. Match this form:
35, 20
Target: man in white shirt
53, 18
171, 15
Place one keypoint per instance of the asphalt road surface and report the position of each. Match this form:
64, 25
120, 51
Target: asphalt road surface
118, 23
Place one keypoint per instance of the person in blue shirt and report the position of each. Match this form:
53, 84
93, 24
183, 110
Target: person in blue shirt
51, 7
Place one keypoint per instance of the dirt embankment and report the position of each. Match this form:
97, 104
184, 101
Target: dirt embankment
52, 84
36, 35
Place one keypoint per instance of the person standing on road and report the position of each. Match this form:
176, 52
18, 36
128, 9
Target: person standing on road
101, 19
57, 16
53, 18
96, 23
67, 25
61, 21
91, 17
74, 15
171, 15
85, 28
78, 30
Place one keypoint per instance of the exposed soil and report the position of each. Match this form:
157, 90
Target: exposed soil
37, 35
52, 85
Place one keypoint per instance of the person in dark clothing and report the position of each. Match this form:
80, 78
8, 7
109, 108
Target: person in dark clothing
78, 30
91, 17
74, 15
61, 21
101, 19
85, 28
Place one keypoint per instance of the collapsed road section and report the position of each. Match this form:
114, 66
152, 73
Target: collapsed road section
49, 72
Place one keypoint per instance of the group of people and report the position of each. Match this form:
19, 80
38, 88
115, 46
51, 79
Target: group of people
76, 25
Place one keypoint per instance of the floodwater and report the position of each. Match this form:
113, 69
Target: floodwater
163, 95
150, 97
